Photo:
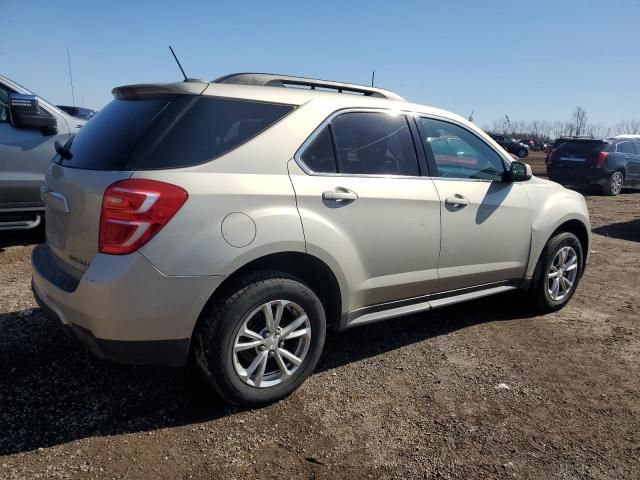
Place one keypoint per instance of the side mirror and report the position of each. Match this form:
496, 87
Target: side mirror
519, 171
26, 112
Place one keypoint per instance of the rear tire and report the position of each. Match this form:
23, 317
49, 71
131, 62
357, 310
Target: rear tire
245, 361
522, 153
556, 276
614, 184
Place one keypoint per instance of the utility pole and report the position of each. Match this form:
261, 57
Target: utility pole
373, 77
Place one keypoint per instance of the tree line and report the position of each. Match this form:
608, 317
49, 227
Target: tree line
545, 130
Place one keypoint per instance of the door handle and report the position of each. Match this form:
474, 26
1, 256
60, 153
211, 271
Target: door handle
341, 195
457, 200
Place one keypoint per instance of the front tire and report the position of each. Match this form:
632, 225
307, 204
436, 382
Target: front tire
614, 184
557, 273
261, 340
522, 153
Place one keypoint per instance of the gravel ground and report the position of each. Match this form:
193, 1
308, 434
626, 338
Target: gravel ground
481, 390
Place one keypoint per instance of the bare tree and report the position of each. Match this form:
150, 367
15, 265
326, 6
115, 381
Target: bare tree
546, 128
557, 128
579, 121
500, 127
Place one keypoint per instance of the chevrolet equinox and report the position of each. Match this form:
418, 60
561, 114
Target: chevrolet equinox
228, 223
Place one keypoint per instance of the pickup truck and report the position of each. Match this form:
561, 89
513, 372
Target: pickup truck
29, 126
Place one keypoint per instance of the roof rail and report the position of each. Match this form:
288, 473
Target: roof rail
275, 80
627, 135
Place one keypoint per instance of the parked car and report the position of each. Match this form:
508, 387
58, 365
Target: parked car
230, 223
80, 112
512, 146
608, 163
29, 127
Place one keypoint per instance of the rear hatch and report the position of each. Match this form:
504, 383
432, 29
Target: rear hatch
578, 154
101, 154
144, 128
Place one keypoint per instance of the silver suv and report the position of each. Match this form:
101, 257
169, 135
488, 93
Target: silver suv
230, 222
29, 128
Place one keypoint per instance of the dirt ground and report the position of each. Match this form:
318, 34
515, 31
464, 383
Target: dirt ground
480, 390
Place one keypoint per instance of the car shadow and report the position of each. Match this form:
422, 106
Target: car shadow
623, 230
595, 192
52, 391
12, 238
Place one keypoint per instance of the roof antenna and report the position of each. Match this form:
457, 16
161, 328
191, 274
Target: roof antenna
73, 95
179, 66
373, 77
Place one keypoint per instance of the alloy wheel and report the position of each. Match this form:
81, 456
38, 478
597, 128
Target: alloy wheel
616, 183
562, 273
271, 344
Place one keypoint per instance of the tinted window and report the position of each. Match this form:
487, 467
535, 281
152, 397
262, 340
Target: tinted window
108, 141
626, 147
4, 105
168, 132
203, 128
319, 155
581, 146
374, 144
458, 153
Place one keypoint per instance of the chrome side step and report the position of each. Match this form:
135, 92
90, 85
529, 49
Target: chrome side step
21, 224
421, 304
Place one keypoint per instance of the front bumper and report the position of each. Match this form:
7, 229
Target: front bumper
123, 309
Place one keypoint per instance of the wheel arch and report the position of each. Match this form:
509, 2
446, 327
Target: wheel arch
579, 229
308, 268
572, 225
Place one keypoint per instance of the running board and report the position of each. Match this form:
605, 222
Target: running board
21, 224
421, 304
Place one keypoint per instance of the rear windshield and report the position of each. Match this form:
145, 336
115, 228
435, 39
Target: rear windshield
582, 146
168, 132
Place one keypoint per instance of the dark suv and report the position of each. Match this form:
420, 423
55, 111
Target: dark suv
608, 163
512, 146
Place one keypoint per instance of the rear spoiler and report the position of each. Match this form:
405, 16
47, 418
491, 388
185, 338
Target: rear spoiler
134, 92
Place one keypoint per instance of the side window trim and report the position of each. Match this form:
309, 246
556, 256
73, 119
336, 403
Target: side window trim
327, 123
431, 161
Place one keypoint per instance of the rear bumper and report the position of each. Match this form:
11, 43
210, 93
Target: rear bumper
123, 309
577, 177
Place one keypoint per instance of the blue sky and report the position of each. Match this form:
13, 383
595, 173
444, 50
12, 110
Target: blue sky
530, 60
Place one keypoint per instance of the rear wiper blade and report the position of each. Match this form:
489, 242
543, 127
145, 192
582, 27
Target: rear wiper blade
63, 151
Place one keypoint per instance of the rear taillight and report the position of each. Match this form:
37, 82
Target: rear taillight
133, 211
547, 159
602, 157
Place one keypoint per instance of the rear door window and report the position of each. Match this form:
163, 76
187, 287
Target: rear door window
626, 147
372, 143
319, 155
168, 131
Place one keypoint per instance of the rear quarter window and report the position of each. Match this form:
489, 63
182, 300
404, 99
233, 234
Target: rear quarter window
200, 129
